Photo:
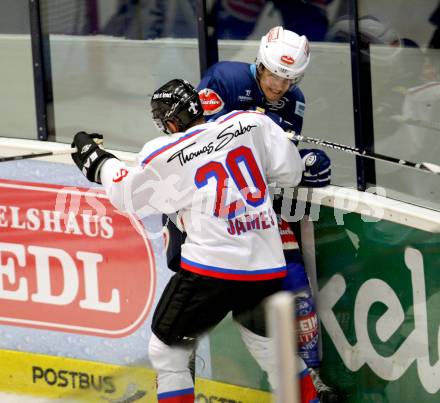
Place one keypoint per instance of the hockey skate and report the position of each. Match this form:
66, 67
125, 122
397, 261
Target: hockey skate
326, 393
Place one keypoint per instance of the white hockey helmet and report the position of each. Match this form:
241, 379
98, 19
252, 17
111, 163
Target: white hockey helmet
284, 53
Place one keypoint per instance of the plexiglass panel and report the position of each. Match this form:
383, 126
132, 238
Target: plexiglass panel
405, 60
17, 105
327, 82
103, 82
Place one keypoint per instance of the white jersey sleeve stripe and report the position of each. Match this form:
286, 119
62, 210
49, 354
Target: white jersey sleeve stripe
235, 113
233, 274
159, 151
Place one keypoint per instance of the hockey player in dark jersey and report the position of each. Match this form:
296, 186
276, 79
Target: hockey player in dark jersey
271, 85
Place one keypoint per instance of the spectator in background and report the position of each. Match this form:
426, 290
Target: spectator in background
382, 46
434, 43
406, 101
237, 19
149, 19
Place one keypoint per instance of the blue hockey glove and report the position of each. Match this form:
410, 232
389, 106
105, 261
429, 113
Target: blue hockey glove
317, 170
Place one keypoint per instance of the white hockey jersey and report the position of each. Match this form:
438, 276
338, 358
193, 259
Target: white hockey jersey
216, 175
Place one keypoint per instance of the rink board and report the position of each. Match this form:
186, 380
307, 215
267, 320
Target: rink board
374, 266
373, 263
379, 305
72, 380
50, 352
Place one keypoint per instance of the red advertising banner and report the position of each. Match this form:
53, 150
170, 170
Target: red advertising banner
70, 262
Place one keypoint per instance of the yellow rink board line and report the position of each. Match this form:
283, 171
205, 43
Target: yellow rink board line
72, 380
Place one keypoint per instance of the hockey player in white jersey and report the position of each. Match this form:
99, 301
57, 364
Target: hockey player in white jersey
216, 175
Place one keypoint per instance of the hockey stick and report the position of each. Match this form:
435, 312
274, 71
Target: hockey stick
37, 155
420, 166
66, 151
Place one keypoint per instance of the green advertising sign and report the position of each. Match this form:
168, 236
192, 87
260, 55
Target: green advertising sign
375, 266
379, 305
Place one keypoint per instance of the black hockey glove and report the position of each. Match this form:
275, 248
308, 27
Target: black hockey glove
89, 158
317, 170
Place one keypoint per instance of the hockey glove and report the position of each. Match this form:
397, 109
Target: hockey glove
317, 170
89, 158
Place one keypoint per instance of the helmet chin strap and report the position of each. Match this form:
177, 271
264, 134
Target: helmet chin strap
172, 127
258, 71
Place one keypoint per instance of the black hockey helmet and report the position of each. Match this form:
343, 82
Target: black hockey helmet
176, 101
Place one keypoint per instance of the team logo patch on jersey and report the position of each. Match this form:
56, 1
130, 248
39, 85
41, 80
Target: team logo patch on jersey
275, 106
121, 174
287, 59
300, 108
211, 101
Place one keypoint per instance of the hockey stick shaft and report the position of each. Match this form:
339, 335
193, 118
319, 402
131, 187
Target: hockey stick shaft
65, 151
37, 155
420, 166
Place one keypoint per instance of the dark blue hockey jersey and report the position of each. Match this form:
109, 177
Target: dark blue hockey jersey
228, 86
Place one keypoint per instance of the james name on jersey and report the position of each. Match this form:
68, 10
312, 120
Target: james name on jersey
248, 222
